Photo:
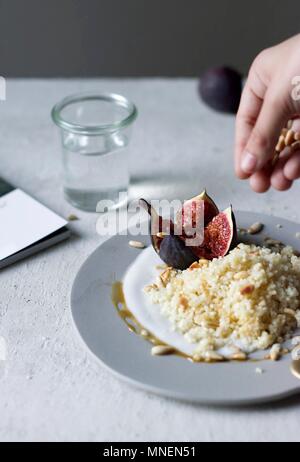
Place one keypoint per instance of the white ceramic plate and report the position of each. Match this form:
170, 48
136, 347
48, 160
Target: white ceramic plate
128, 355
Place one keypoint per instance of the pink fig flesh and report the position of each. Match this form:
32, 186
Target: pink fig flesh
196, 214
220, 236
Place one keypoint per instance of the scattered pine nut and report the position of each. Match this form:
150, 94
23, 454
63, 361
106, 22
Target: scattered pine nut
256, 228
297, 235
72, 217
279, 226
275, 352
290, 124
162, 350
270, 241
137, 244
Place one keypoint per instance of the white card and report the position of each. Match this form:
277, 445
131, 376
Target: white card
23, 222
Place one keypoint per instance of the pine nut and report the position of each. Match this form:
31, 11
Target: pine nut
162, 350
297, 136
281, 144
256, 228
290, 124
290, 138
275, 352
72, 217
270, 241
137, 244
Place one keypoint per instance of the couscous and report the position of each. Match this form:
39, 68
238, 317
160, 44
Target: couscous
249, 299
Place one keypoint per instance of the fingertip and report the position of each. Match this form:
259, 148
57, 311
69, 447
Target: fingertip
260, 182
248, 163
241, 175
292, 167
280, 182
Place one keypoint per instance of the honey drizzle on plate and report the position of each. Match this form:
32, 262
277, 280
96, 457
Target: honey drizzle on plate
134, 325
119, 302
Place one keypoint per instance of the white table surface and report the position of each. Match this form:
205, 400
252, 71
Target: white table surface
51, 388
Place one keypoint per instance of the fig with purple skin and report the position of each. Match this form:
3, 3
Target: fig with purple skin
199, 216
221, 89
175, 253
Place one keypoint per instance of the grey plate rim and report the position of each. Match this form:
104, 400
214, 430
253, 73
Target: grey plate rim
223, 402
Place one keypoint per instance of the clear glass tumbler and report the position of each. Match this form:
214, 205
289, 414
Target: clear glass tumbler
95, 134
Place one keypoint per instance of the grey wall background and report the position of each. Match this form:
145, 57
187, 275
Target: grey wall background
138, 37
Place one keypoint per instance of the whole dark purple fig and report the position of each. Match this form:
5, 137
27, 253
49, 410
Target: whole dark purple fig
175, 253
221, 89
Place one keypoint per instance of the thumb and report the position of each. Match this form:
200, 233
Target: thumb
264, 137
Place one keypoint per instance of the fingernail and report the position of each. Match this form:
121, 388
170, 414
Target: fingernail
249, 162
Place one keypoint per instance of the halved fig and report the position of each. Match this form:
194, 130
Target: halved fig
196, 214
219, 236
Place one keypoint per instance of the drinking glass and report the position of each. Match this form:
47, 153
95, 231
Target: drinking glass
95, 136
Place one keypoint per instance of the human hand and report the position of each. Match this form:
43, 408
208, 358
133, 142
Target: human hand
266, 106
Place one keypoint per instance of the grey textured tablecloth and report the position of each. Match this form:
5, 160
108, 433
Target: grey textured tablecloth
51, 389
